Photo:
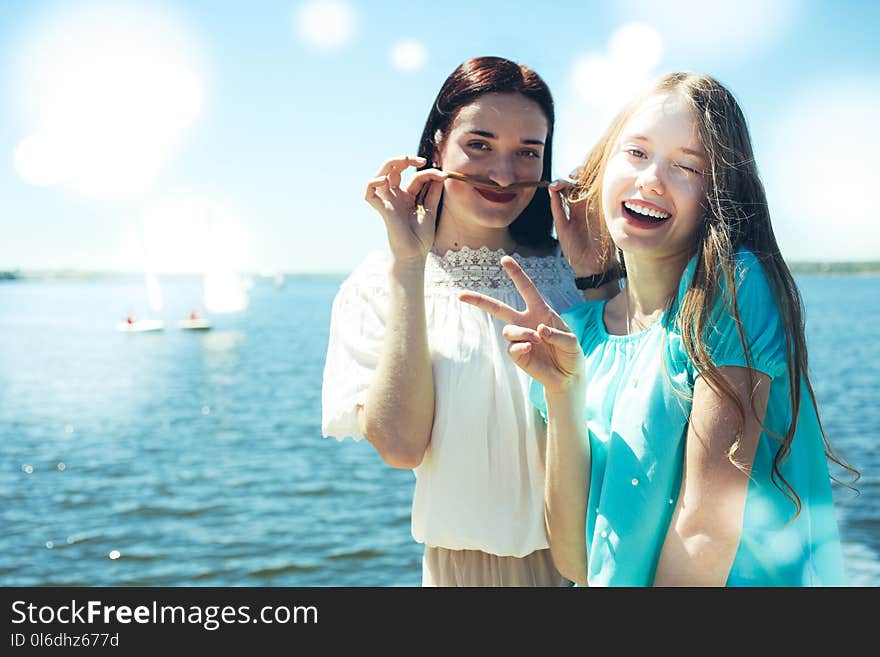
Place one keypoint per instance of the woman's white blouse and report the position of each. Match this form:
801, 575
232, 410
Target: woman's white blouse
480, 485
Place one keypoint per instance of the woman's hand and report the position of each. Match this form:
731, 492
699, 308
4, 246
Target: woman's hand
540, 342
410, 212
580, 236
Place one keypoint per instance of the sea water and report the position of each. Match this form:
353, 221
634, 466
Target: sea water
186, 458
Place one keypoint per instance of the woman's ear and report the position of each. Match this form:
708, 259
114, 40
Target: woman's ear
436, 160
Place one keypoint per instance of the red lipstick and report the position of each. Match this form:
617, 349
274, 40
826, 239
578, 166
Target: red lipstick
495, 197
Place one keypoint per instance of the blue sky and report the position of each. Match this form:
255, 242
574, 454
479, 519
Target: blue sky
175, 135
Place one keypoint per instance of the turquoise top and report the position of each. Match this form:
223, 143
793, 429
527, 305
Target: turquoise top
637, 424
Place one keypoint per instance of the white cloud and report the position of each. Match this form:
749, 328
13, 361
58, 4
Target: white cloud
325, 23
817, 159
107, 96
716, 28
600, 84
409, 55
636, 47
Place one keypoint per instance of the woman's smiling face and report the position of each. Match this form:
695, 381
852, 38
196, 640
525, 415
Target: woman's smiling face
654, 187
499, 136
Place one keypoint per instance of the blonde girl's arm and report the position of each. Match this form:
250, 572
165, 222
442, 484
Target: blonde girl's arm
543, 346
706, 526
567, 482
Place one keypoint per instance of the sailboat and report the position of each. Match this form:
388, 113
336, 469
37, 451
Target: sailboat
154, 295
194, 323
224, 291
130, 325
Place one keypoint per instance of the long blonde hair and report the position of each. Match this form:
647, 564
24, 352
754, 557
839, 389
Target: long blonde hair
736, 215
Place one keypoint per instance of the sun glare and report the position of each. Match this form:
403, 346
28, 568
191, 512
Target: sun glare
38, 159
325, 23
107, 97
409, 55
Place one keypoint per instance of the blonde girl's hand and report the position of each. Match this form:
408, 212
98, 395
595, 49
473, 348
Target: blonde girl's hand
541, 344
409, 211
580, 236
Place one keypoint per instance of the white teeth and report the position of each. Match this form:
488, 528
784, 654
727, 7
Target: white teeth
640, 209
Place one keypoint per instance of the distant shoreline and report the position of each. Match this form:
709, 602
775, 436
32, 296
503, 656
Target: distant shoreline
77, 275
836, 268
798, 268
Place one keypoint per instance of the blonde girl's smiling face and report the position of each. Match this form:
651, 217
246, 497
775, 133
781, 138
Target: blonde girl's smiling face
499, 136
654, 186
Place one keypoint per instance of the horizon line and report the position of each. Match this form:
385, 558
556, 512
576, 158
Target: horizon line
797, 266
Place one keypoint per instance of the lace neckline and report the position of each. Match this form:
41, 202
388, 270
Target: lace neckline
476, 269
483, 254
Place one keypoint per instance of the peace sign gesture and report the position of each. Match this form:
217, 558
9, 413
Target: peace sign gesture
541, 344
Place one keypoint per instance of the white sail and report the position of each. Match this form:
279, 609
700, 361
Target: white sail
225, 292
154, 292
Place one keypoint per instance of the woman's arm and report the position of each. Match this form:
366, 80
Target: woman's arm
567, 482
706, 527
543, 346
399, 411
581, 239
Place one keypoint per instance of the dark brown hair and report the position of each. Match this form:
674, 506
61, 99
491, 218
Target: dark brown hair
485, 75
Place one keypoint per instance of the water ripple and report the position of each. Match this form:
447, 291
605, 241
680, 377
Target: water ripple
201, 461
284, 570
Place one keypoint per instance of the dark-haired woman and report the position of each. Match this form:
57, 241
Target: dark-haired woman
425, 378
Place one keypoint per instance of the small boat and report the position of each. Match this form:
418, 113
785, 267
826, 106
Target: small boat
197, 324
141, 326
